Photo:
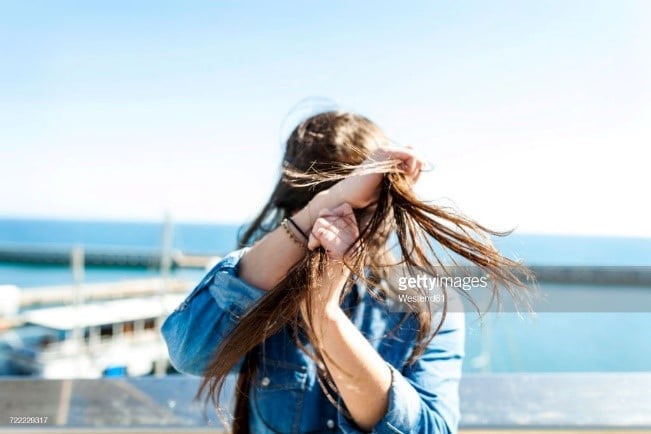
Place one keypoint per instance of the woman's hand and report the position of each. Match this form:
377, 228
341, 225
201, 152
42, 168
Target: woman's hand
362, 190
335, 230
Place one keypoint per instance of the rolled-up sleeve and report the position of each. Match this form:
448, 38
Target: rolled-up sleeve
194, 330
424, 396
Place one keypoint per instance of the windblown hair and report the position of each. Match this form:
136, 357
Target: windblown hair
321, 151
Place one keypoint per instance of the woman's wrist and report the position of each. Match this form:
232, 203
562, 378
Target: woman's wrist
336, 274
306, 217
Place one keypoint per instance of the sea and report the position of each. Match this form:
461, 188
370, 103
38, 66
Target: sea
614, 337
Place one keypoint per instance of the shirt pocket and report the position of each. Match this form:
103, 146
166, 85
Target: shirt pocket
277, 396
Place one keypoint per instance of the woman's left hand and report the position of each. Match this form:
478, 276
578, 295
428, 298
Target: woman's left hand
335, 230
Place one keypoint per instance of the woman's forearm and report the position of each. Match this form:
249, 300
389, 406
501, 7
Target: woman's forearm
360, 373
266, 263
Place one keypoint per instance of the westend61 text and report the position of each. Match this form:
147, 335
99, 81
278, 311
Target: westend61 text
431, 282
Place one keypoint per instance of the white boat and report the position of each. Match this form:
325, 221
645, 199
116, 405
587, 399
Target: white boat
91, 340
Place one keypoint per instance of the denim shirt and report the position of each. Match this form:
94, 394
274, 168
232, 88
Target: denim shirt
285, 395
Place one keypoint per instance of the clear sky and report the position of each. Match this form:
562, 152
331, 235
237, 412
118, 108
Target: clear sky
536, 114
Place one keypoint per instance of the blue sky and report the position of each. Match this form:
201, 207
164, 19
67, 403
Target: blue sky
536, 114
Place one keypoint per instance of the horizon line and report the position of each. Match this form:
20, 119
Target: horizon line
183, 221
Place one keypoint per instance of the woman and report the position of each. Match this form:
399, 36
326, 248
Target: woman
310, 315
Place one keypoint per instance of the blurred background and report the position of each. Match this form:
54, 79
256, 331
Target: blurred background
137, 137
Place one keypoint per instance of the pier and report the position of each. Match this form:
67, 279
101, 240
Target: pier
65, 294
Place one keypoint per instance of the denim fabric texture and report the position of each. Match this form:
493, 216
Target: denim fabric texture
286, 396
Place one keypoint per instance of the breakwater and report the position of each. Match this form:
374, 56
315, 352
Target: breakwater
143, 258
101, 257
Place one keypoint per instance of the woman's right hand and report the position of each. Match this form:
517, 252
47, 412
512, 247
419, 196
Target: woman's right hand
361, 190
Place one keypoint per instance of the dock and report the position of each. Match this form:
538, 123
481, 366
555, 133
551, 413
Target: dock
65, 294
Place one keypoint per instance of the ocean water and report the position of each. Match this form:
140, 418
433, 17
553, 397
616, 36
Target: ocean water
121, 236
604, 339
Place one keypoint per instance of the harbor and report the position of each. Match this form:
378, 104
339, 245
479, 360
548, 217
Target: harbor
89, 330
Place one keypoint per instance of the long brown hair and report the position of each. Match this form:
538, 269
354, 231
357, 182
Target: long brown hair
321, 151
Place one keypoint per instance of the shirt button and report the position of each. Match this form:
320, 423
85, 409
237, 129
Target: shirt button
265, 381
330, 423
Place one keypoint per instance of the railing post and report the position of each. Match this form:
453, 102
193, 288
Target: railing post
77, 263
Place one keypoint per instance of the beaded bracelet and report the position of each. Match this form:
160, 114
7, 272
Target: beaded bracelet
293, 237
